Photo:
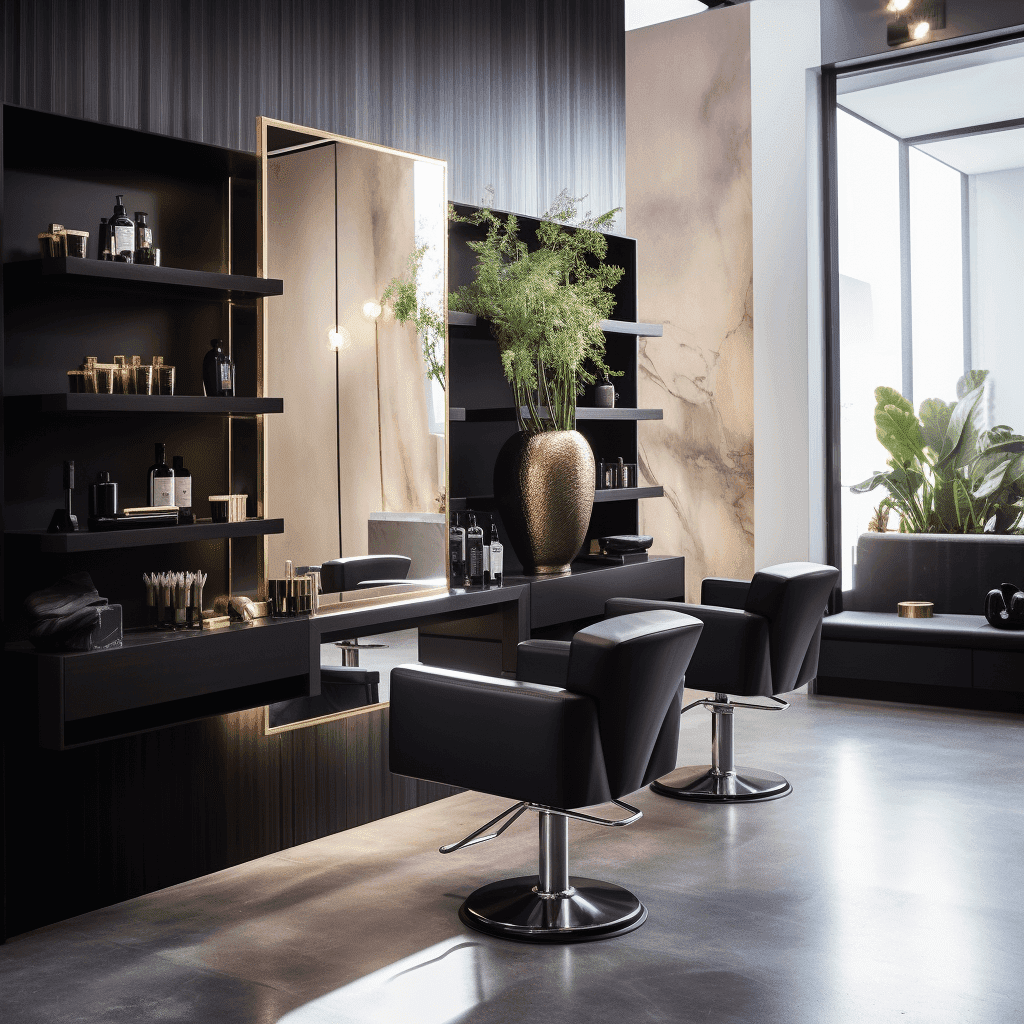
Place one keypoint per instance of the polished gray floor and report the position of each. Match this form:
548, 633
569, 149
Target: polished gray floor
887, 887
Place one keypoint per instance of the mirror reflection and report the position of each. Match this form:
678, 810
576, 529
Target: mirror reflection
356, 465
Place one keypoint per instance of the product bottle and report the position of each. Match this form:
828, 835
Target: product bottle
183, 491
103, 497
218, 371
143, 232
457, 552
103, 241
497, 558
161, 479
122, 233
475, 553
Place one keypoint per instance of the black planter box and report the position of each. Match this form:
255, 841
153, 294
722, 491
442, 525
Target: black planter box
953, 571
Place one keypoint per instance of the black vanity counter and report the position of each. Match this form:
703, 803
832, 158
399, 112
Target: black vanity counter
156, 679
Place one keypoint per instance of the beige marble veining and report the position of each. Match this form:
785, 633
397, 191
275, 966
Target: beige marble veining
688, 203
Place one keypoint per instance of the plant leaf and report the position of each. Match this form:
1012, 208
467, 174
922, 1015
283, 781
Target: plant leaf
871, 483
899, 431
971, 380
961, 434
993, 481
935, 415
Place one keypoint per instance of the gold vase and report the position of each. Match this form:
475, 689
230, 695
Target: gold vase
544, 486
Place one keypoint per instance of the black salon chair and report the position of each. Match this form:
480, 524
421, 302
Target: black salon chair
760, 639
586, 721
359, 572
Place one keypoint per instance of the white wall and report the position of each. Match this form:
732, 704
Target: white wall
997, 291
785, 41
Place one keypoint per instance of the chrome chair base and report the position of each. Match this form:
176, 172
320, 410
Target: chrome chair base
742, 785
587, 910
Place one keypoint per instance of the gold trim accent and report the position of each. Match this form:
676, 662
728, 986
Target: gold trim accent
273, 730
915, 609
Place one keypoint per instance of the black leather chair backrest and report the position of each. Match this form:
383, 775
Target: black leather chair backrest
631, 666
792, 597
340, 574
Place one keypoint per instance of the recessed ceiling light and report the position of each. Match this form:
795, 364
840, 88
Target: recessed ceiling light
898, 5
921, 29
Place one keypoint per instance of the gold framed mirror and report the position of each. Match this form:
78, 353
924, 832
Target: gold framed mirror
357, 464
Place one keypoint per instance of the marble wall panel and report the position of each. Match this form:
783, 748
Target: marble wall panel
688, 203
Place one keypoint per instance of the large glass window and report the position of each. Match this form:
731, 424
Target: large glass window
930, 206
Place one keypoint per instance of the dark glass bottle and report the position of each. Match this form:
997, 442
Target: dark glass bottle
457, 552
143, 232
218, 371
475, 553
122, 233
497, 559
161, 479
183, 491
103, 242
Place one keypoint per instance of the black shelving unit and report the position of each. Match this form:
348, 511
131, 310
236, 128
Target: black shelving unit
115, 540
460, 415
201, 202
191, 405
482, 417
90, 273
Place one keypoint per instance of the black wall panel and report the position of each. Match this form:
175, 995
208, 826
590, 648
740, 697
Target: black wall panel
524, 95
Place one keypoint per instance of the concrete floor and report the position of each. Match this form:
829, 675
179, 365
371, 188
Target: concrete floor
886, 887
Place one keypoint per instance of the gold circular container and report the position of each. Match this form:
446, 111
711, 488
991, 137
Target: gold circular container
915, 609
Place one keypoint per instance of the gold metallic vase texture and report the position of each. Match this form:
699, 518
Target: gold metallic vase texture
544, 486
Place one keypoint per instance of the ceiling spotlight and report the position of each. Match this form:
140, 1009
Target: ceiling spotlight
371, 310
338, 338
898, 5
921, 29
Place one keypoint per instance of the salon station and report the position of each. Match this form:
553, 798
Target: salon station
580, 575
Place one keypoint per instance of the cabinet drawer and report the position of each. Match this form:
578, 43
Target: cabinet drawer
583, 594
895, 663
197, 664
999, 670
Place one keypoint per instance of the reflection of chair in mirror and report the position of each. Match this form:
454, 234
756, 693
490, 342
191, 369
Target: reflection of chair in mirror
760, 639
585, 722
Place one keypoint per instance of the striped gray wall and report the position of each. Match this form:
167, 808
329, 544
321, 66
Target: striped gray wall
524, 95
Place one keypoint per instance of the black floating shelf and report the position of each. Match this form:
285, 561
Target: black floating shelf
456, 319
104, 274
85, 540
486, 501
460, 415
628, 493
193, 404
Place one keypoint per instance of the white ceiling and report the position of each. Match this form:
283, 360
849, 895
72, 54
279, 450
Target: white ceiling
978, 154
942, 100
652, 12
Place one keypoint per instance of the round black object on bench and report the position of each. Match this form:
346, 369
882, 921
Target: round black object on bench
1004, 608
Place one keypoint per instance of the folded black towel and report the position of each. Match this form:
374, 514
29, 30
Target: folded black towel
71, 616
71, 594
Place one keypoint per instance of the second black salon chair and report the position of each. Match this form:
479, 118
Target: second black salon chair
585, 722
761, 638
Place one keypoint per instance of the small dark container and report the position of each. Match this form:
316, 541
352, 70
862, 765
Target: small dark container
103, 497
218, 371
219, 511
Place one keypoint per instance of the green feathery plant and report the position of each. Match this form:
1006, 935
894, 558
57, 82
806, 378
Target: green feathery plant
402, 296
544, 306
945, 474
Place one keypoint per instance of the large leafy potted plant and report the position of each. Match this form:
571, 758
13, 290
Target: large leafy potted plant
945, 474
544, 304
958, 493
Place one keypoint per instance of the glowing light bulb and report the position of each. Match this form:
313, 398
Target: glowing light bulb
898, 5
371, 310
921, 29
338, 338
